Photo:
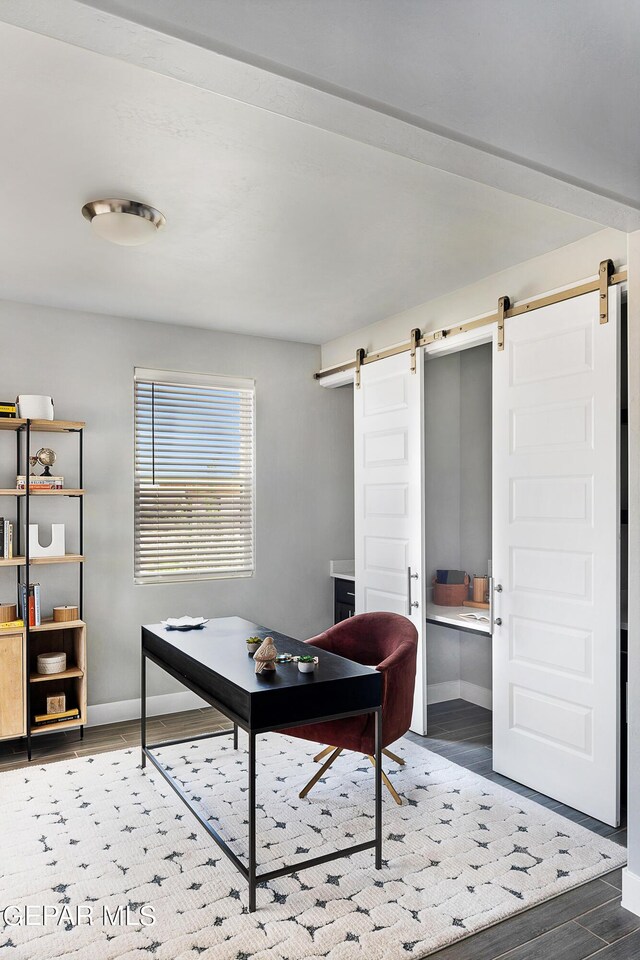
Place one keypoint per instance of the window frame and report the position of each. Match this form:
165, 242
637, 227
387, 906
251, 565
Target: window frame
205, 381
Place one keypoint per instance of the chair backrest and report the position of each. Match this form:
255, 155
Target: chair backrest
388, 642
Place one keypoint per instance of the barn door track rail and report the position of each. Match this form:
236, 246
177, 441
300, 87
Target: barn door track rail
605, 279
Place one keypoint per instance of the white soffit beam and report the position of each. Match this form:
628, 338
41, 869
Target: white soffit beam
375, 124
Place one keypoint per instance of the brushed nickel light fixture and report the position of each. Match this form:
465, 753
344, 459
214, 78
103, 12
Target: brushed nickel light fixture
126, 222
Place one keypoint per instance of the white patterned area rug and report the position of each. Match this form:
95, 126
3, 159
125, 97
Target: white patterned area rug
90, 838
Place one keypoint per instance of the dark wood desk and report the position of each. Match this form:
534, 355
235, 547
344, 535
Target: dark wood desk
213, 662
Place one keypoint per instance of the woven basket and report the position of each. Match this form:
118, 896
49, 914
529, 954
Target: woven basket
450, 594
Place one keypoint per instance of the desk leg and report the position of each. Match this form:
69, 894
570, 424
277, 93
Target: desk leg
143, 708
378, 779
252, 822
235, 736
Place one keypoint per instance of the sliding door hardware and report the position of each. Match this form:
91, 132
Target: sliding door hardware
415, 343
359, 360
604, 275
503, 305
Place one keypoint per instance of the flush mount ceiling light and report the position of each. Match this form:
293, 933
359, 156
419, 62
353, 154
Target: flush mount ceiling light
126, 222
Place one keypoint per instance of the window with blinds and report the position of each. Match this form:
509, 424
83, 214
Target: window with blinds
194, 477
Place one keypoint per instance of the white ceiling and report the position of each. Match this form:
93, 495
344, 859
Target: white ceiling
274, 227
552, 83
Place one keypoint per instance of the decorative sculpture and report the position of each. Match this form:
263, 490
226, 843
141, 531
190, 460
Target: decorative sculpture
265, 655
55, 548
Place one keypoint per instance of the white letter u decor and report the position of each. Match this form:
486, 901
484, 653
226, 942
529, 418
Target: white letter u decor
55, 548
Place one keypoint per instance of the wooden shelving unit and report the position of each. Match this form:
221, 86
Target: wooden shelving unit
48, 636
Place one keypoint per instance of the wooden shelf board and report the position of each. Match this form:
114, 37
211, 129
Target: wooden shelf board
60, 725
42, 426
19, 561
65, 492
68, 558
63, 675
69, 492
59, 625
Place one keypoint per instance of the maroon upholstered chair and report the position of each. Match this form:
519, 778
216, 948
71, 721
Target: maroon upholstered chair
389, 643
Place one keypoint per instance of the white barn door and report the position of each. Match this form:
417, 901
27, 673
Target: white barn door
389, 499
556, 520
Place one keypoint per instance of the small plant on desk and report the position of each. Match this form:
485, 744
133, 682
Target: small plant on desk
307, 663
252, 644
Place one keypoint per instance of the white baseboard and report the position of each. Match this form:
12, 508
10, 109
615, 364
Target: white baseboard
459, 690
130, 709
439, 692
631, 891
475, 694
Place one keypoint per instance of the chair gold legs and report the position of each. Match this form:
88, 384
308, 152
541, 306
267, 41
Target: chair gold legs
393, 756
390, 787
335, 753
325, 766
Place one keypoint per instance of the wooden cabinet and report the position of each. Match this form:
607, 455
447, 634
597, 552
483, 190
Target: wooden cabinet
12, 686
344, 599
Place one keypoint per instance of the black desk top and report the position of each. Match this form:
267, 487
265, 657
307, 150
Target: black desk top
215, 662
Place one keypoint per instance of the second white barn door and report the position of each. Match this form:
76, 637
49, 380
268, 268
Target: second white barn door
389, 499
556, 554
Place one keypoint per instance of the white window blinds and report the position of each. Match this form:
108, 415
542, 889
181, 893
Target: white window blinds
194, 476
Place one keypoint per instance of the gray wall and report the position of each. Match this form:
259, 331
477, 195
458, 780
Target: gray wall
458, 492
304, 496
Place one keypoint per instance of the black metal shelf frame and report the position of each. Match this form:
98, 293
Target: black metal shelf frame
23, 453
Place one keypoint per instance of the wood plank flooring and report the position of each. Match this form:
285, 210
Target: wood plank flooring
585, 922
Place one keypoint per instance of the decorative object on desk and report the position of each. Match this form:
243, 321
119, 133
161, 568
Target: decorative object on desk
480, 589
54, 662
265, 656
285, 658
54, 549
65, 614
307, 664
450, 593
46, 457
184, 623
56, 703
253, 644
33, 407
8, 611
7, 410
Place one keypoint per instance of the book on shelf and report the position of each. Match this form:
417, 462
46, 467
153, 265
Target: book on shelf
40, 483
30, 604
6, 539
7, 409
10, 624
42, 718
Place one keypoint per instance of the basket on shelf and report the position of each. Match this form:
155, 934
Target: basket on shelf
450, 594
